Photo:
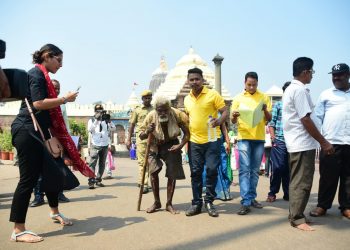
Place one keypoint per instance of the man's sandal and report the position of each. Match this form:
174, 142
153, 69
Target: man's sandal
64, 221
17, 237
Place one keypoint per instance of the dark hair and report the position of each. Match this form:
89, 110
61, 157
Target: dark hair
98, 107
285, 86
300, 64
195, 71
51, 49
252, 74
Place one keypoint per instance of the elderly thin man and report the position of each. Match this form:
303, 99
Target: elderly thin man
166, 124
332, 113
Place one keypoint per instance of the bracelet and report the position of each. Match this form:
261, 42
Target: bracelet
64, 100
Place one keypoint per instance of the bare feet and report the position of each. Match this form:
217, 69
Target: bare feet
156, 205
305, 227
170, 208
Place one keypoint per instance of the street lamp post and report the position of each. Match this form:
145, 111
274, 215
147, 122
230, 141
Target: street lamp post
217, 61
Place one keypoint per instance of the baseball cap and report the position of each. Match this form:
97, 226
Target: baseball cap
146, 93
339, 68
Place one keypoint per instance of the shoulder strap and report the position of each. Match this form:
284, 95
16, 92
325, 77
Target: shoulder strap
35, 122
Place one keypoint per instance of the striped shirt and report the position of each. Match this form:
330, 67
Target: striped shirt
332, 116
276, 121
297, 104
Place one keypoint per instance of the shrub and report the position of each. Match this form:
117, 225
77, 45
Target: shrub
6, 141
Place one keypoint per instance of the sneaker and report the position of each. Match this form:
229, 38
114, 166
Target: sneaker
211, 210
256, 204
62, 198
244, 210
100, 184
37, 202
194, 210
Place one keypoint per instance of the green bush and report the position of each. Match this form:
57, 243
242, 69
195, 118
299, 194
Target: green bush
79, 129
6, 141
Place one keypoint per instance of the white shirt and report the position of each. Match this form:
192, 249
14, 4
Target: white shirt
99, 131
65, 117
297, 104
332, 116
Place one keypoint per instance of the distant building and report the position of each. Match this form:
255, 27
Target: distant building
175, 87
158, 76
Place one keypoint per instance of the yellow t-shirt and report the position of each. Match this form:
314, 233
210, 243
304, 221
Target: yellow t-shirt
199, 109
244, 131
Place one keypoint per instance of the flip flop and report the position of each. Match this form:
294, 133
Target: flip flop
65, 221
15, 237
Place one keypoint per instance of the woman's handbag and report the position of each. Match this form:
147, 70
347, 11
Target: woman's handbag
56, 175
53, 145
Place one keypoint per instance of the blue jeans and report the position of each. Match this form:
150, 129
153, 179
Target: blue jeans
200, 155
250, 156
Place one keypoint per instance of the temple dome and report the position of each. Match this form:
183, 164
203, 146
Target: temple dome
177, 77
158, 76
132, 101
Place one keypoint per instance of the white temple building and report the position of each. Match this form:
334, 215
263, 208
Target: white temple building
177, 77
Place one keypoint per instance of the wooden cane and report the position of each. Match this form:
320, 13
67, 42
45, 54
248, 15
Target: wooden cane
145, 165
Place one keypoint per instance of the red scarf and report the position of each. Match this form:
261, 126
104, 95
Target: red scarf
59, 130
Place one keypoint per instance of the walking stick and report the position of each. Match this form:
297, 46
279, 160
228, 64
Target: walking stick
145, 165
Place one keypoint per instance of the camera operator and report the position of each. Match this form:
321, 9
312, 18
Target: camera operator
5, 91
99, 127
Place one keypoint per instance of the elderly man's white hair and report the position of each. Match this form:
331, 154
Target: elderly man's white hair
161, 100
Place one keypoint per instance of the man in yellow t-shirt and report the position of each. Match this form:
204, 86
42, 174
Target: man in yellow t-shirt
200, 104
250, 139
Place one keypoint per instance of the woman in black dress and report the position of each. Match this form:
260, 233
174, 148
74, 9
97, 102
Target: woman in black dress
28, 142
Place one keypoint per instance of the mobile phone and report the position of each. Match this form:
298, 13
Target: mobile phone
78, 89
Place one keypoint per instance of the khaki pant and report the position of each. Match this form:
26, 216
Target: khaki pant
302, 168
140, 153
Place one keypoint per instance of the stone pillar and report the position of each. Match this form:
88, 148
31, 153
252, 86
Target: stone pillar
217, 61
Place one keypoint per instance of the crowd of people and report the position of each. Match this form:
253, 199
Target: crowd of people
297, 128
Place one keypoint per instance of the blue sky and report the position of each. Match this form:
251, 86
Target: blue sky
108, 45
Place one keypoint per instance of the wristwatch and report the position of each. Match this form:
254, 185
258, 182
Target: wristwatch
64, 100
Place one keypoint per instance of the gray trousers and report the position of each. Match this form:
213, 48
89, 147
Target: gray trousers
98, 153
302, 168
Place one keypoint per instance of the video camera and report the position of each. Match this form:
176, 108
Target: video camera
17, 78
104, 116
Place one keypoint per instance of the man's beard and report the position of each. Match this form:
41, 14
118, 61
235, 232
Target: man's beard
163, 119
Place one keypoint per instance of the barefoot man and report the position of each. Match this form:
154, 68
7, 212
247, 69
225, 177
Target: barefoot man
166, 124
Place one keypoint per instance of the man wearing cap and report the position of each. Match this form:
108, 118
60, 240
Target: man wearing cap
135, 122
301, 137
99, 128
332, 114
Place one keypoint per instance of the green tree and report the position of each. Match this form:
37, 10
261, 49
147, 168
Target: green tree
79, 128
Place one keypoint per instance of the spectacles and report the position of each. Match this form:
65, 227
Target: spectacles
59, 59
312, 71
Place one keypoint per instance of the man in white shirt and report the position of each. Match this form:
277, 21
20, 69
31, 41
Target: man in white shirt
99, 127
301, 137
332, 115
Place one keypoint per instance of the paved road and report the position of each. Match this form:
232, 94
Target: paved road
106, 218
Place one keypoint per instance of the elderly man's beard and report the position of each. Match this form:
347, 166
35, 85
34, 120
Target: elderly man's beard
164, 118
